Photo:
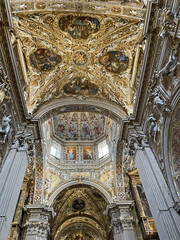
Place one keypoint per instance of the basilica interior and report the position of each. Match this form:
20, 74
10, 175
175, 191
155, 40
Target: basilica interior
89, 120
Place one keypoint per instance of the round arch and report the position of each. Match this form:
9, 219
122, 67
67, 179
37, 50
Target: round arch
57, 106
86, 221
85, 182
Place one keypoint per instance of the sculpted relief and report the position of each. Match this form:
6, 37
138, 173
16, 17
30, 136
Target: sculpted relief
44, 59
79, 27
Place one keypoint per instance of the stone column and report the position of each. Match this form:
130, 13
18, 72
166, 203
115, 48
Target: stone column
15, 227
166, 218
37, 225
11, 179
121, 220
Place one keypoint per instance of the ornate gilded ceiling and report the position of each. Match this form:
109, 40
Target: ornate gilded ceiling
73, 49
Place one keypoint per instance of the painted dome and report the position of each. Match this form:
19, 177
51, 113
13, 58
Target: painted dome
79, 126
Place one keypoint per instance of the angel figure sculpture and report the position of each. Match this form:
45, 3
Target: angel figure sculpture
6, 126
152, 126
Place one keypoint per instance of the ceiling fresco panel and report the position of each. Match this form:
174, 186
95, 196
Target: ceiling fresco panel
44, 59
79, 27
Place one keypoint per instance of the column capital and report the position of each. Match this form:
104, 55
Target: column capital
120, 213
38, 220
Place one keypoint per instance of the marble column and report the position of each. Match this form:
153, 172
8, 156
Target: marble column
11, 179
121, 220
38, 220
166, 218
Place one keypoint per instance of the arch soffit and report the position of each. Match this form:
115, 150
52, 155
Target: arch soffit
104, 192
91, 223
174, 104
99, 106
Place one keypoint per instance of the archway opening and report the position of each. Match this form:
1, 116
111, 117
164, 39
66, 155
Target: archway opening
80, 214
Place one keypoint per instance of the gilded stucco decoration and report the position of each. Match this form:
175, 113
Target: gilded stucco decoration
81, 205
58, 48
57, 175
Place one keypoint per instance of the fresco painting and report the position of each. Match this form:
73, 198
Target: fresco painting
44, 59
79, 27
61, 128
72, 131
87, 153
71, 153
98, 129
80, 85
114, 61
85, 131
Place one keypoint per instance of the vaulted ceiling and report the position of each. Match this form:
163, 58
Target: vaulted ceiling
78, 49
80, 211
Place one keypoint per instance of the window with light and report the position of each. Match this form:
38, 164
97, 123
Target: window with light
103, 149
55, 150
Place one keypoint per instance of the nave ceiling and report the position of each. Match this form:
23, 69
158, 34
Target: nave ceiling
84, 50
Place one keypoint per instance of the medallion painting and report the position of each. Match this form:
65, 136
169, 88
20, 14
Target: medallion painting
78, 204
114, 61
87, 153
70, 153
44, 59
79, 27
80, 85
80, 58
